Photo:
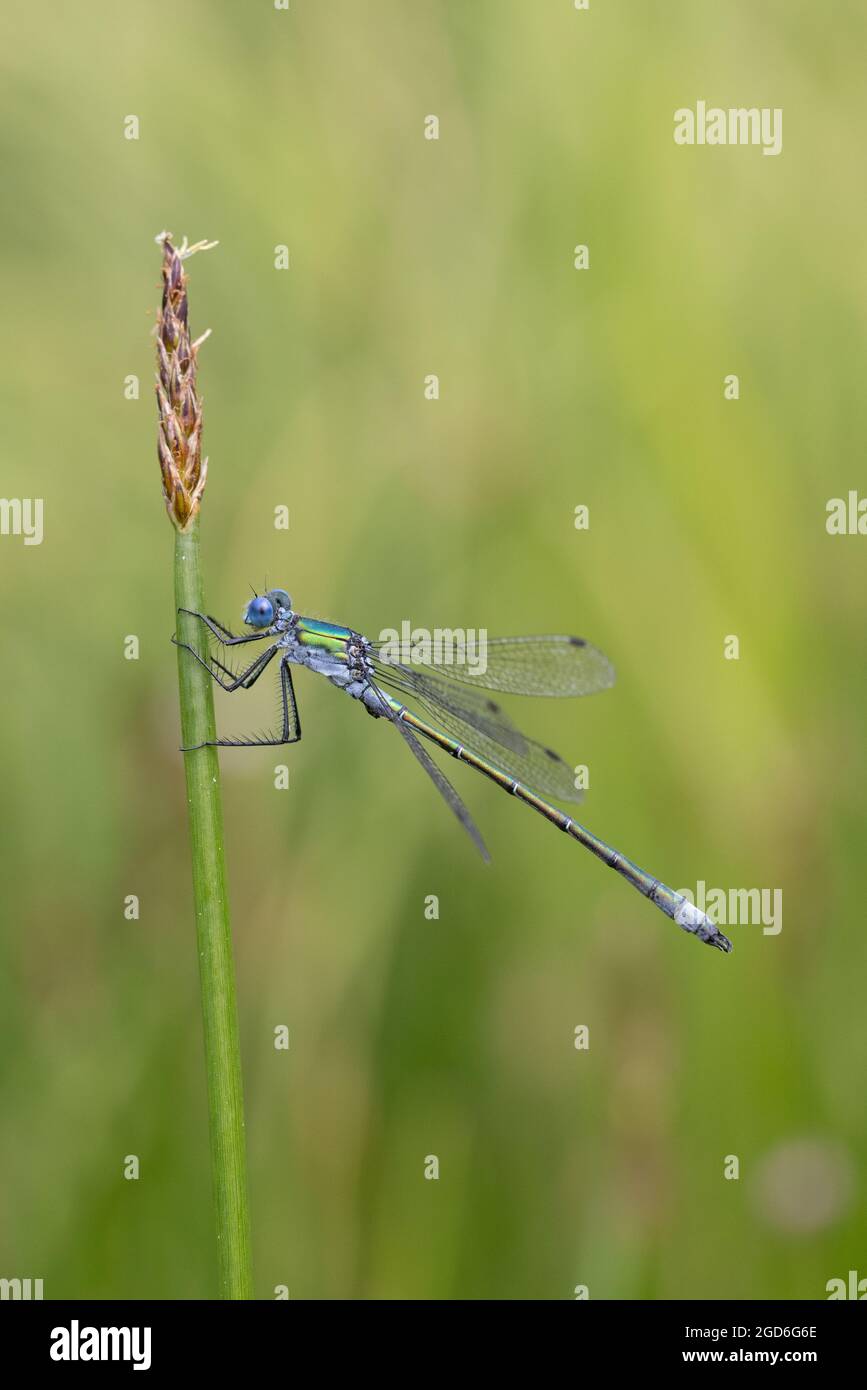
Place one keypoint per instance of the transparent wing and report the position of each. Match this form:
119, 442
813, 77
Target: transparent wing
522, 665
445, 789
475, 706
477, 722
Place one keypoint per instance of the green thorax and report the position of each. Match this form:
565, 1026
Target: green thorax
324, 637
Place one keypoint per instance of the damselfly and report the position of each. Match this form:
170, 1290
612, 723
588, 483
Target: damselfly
448, 705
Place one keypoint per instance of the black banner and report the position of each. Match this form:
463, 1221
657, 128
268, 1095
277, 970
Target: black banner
152, 1338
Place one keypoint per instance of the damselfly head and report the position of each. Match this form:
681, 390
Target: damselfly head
262, 610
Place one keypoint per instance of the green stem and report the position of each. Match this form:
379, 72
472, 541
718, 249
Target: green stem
214, 935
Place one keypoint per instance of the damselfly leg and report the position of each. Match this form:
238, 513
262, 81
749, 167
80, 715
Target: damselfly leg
444, 701
223, 634
230, 681
237, 679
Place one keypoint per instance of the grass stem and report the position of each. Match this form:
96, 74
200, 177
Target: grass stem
214, 938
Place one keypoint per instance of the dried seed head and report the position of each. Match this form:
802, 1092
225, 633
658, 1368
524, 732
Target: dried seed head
179, 442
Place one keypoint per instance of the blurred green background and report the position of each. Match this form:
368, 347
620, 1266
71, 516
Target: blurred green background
558, 388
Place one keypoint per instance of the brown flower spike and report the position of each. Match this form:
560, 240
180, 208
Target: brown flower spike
179, 443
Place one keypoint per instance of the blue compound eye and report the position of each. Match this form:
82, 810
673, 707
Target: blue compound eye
259, 612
